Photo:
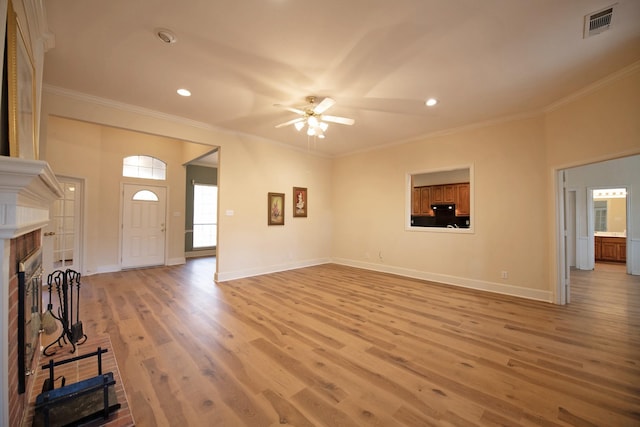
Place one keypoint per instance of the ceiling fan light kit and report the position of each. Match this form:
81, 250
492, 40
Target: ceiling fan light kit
313, 118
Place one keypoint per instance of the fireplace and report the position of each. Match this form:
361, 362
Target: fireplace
27, 189
29, 312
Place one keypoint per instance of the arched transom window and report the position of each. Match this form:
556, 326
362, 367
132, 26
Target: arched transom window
146, 167
145, 195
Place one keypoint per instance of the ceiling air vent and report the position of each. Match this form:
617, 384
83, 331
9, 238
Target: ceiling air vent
597, 22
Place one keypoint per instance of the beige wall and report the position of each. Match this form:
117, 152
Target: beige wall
357, 202
599, 125
94, 153
249, 169
509, 216
515, 193
617, 215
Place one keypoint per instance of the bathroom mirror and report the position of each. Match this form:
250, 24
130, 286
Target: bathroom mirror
440, 200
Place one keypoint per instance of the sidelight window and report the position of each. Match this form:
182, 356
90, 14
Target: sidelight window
205, 214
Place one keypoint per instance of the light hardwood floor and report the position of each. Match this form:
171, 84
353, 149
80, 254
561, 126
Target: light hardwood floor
337, 346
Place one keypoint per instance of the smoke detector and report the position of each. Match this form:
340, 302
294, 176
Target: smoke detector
597, 22
166, 36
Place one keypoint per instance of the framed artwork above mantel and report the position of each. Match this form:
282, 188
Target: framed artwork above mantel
21, 91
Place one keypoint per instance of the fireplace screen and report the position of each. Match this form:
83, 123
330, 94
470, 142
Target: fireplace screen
29, 309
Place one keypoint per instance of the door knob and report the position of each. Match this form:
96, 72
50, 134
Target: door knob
50, 233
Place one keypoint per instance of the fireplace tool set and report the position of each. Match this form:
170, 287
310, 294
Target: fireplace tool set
67, 284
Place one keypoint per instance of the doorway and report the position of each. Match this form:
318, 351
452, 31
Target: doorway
62, 237
607, 219
143, 225
575, 218
201, 206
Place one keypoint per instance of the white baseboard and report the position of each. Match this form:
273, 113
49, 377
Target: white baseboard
241, 274
176, 261
481, 285
115, 267
106, 269
196, 254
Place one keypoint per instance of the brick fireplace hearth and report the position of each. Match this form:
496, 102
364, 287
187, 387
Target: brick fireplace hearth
27, 189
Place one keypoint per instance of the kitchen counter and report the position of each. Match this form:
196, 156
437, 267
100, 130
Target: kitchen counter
610, 234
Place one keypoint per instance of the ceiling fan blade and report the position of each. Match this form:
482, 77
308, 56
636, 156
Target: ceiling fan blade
293, 110
290, 122
324, 105
340, 120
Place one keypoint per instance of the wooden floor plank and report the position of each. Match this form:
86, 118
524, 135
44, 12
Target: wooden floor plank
332, 345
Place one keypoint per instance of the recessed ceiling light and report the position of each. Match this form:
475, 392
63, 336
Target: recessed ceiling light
431, 102
166, 36
184, 92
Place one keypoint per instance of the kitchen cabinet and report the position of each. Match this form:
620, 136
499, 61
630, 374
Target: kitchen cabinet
463, 199
425, 201
443, 193
415, 201
610, 249
449, 193
437, 194
423, 197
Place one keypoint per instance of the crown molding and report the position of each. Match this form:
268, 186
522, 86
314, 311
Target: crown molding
129, 108
611, 78
36, 15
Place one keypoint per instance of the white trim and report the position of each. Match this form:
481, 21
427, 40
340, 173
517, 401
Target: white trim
241, 274
176, 261
5, 247
133, 109
113, 268
27, 188
633, 256
612, 78
582, 253
409, 197
167, 231
200, 253
83, 97
562, 294
480, 285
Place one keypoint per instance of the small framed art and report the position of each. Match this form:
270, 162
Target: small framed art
275, 209
300, 202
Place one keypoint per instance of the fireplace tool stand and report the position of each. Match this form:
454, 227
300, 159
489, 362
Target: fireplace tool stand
68, 311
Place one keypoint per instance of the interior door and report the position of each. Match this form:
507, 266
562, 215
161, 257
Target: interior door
61, 240
143, 225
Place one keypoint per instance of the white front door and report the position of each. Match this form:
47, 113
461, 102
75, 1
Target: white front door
143, 225
62, 236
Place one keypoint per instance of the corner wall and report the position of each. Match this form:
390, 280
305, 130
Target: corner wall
509, 211
249, 168
599, 124
94, 153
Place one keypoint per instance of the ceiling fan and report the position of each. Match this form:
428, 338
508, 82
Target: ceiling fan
312, 116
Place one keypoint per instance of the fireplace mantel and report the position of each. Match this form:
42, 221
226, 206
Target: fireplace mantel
27, 189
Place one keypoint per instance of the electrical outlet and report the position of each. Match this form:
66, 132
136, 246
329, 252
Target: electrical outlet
504, 275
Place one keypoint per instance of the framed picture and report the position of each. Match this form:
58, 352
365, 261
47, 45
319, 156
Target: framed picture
275, 208
299, 202
22, 120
